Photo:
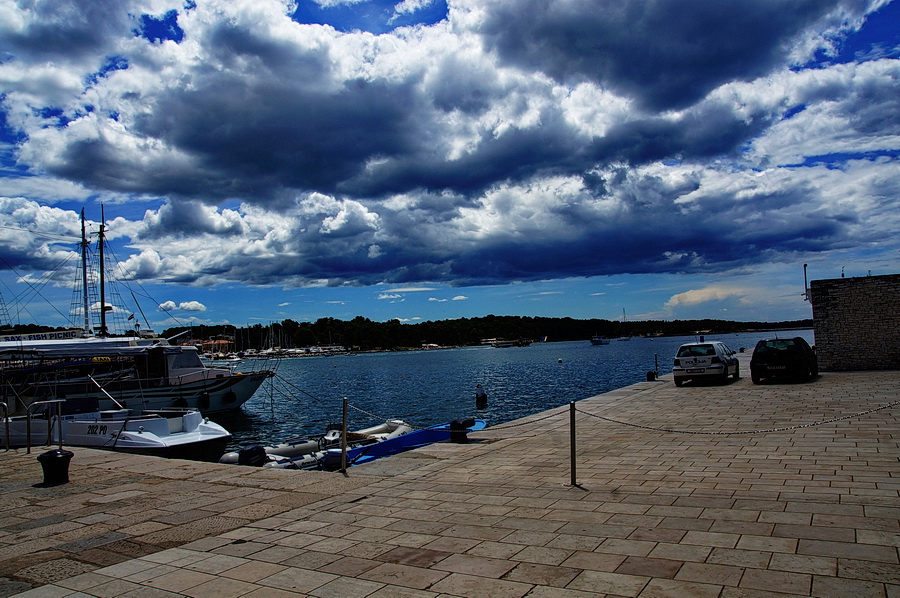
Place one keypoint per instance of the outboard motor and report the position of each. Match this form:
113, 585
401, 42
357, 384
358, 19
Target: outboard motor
332, 435
254, 456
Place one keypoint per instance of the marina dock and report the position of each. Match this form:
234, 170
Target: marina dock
738, 490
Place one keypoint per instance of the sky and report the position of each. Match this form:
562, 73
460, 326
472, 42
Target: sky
258, 160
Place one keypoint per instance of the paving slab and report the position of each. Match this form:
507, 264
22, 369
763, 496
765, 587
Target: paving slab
788, 489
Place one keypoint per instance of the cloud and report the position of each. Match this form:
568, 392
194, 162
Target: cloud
664, 55
511, 141
183, 306
705, 295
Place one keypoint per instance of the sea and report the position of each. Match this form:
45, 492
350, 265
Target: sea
435, 386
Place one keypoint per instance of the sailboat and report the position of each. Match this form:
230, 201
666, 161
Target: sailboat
624, 321
135, 370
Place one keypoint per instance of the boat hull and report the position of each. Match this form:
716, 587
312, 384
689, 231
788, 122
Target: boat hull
399, 444
208, 394
181, 434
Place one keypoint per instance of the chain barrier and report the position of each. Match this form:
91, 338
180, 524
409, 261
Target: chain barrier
502, 427
525, 423
744, 432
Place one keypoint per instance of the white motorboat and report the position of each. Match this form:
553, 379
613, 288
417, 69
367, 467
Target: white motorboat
296, 452
174, 433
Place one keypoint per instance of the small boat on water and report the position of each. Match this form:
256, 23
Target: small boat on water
324, 452
306, 446
173, 433
455, 430
599, 340
504, 344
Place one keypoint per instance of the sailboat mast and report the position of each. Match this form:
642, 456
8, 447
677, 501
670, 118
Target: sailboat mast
84, 276
103, 331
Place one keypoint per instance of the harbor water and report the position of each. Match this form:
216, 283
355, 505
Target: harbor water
438, 385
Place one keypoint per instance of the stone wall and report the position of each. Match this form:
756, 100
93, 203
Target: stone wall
857, 322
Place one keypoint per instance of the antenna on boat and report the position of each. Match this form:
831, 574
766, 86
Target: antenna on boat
84, 276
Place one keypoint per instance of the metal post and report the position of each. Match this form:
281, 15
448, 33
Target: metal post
572, 441
6, 419
344, 439
59, 428
28, 412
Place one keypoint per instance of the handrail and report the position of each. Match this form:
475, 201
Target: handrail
59, 403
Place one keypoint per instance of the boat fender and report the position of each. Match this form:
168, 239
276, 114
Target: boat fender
230, 397
254, 456
204, 401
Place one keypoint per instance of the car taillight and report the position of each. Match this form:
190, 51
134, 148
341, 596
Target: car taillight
715, 360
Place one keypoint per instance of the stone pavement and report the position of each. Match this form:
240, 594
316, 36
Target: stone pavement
730, 491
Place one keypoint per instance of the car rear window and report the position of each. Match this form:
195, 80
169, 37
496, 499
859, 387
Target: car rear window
696, 351
779, 344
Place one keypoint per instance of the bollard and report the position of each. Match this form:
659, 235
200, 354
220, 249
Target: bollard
55, 464
651, 376
459, 430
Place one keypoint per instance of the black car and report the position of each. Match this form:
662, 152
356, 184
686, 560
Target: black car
783, 358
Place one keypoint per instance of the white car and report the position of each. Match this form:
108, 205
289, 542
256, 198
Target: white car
705, 361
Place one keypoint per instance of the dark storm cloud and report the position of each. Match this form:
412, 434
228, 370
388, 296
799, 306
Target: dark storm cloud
62, 31
276, 136
658, 237
416, 156
664, 53
706, 132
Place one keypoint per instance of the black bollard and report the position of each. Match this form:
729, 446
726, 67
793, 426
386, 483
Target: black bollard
651, 376
460, 429
55, 464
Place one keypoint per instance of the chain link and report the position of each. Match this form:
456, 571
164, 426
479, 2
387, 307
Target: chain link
744, 432
698, 432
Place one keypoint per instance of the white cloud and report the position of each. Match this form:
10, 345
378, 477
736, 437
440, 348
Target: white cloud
183, 306
705, 295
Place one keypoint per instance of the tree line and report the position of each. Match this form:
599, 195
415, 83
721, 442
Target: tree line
363, 334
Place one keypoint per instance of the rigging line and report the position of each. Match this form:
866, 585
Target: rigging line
52, 236
146, 294
35, 288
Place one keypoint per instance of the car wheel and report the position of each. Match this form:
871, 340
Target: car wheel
805, 375
737, 372
679, 382
755, 378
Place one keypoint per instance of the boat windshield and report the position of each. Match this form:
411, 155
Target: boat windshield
187, 359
